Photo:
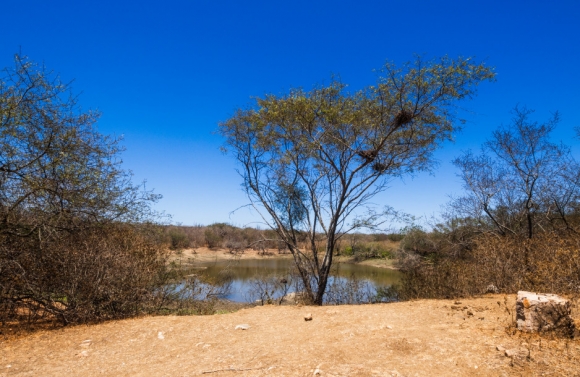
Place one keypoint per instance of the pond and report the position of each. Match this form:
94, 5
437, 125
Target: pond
249, 276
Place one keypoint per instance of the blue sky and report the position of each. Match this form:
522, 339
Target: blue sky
164, 74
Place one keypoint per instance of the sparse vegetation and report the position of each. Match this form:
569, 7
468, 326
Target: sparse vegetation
515, 229
77, 242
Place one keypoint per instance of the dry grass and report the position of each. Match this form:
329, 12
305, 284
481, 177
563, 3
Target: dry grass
417, 338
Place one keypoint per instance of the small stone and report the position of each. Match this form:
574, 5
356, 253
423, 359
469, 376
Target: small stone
83, 354
469, 313
243, 326
308, 317
457, 302
500, 348
86, 343
510, 353
390, 327
160, 335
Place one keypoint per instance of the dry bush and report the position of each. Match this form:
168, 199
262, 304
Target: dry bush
549, 262
186, 293
97, 273
350, 291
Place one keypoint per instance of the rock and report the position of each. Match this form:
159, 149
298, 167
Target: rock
543, 312
469, 313
457, 302
308, 317
243, 326
500, 348
491, 289
160, 335
86, 343
510, 353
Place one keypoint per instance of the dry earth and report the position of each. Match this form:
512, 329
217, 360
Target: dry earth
206, 255
417, 338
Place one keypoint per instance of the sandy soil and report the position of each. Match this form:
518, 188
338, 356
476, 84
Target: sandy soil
417, 338
203, 254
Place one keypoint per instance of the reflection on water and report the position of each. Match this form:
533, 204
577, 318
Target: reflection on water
245, 271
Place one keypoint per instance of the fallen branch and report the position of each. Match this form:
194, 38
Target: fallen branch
230, 370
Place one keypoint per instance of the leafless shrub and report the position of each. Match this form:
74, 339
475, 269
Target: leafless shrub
349, 291
270, 290
95, 274
186, 294
547, 263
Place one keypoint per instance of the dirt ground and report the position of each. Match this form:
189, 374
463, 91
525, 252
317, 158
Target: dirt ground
206, 255
416, 338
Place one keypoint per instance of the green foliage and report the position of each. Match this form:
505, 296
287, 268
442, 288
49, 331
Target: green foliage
371, 250
336, 149
178, 240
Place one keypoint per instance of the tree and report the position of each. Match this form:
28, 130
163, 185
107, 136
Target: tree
60, 185
310, 159
521, 182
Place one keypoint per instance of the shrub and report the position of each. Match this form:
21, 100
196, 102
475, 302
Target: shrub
106, 272
178, 239
548, 262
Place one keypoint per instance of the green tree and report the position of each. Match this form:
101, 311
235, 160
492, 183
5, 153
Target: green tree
309, 159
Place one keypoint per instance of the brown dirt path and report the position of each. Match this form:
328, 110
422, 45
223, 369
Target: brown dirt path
418, 338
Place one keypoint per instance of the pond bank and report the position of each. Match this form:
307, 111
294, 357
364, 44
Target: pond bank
204, 255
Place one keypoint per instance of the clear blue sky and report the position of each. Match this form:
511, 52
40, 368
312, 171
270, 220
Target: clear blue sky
165, 73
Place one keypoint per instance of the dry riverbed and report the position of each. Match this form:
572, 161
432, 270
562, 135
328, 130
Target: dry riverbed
417, 338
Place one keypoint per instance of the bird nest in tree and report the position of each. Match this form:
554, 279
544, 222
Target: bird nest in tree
403, 117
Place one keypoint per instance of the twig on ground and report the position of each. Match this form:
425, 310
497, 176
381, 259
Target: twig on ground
230, 370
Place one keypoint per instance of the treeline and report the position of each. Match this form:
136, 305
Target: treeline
235, 239
517, 227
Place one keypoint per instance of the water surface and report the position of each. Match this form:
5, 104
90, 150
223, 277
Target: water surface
246, 271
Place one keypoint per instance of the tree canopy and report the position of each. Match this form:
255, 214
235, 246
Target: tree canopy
310, 159
66, 243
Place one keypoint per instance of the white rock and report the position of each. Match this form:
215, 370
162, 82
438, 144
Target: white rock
540, 312
160, 335
243, 327
308, 317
